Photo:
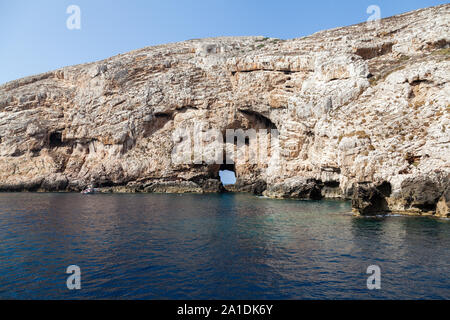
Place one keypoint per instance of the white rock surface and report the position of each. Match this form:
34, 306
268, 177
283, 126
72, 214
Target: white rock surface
352, 105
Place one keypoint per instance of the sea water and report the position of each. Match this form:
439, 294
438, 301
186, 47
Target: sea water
224, 246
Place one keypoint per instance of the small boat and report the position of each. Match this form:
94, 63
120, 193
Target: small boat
88, 191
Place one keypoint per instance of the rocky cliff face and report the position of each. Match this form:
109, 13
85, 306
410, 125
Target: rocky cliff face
361, 112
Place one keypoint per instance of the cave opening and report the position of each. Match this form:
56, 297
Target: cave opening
227, 174
55, 139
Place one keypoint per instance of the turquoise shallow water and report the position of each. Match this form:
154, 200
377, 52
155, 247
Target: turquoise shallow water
229, 246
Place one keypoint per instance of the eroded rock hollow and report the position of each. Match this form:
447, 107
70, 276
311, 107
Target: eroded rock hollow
361, 112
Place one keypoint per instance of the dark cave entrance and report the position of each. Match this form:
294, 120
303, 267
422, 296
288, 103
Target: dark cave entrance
55, 139
227, 174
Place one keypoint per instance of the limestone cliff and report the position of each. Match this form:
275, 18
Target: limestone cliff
362, 112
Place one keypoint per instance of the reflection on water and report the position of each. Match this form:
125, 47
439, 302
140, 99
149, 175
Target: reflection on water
214, 247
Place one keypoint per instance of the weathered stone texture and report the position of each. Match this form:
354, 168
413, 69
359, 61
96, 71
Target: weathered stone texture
353, 105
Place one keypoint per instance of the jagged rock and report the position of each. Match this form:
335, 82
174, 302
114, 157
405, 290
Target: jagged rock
212, 186
173, 187
296, 188
332, 190
351, 104
421, 193
256, 188
369, 199
443, 205
54, 182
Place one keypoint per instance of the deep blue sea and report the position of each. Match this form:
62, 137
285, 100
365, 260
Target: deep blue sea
227, 246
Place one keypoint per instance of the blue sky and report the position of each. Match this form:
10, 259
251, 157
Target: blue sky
227, 177
34, 37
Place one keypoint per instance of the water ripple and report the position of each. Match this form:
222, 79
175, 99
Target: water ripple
214, 247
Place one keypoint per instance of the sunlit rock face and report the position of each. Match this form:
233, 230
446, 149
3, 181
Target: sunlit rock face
354, 108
